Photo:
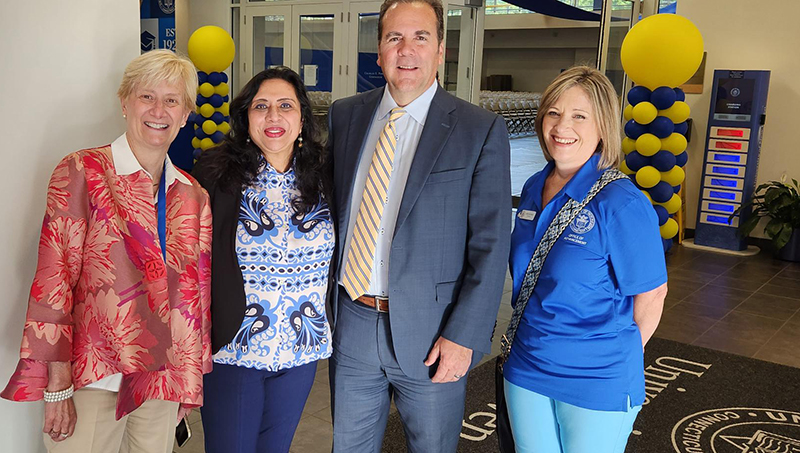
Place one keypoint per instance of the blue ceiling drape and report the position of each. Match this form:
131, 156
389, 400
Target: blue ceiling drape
555, 8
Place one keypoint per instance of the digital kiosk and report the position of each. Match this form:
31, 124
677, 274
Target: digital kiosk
730, 166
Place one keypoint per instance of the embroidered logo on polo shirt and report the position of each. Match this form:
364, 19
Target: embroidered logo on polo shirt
583, 222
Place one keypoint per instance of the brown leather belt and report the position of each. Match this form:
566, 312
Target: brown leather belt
380, 304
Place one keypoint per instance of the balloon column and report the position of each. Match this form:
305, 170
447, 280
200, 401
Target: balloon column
211, 49
658, 54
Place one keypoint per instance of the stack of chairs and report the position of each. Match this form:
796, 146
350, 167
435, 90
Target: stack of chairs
518, 108
320, 103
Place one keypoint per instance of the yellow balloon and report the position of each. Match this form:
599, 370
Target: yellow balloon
627, 112
648, 176
678, 112
674, 176
195, 142
623, 167
644, 112
222, 89
206, 110
224, 127
669, 229
673, 204
675, 143
224, 109
663, 49
209, 127
628, 145
648, 144
649, 198
206, 89
206, 143
211, 49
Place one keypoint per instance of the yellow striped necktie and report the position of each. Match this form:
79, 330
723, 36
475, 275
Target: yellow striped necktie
361, 256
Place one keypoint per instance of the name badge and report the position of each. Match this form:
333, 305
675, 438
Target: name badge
526, 215
155, 269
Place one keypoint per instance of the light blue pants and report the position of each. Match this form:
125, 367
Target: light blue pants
544, 425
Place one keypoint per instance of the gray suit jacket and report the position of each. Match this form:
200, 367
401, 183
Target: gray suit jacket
451, 243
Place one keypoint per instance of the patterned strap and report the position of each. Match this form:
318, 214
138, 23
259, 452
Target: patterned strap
567, 213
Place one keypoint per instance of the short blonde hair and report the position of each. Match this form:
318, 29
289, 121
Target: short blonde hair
604, 102
156, 66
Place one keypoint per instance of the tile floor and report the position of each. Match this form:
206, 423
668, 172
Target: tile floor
747, 306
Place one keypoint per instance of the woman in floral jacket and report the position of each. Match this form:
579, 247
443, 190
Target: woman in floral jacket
116, 339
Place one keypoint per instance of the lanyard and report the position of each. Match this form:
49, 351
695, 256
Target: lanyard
162, 212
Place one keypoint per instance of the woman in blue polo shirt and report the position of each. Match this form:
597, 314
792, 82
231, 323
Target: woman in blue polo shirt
574, 380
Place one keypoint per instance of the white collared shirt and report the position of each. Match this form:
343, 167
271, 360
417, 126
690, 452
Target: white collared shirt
409, 128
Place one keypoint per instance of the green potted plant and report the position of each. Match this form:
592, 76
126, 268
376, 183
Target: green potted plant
780, 202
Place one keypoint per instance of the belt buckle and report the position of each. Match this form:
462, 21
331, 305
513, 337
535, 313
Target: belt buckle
378, 299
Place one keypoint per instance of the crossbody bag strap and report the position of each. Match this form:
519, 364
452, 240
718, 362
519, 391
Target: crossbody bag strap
564, 217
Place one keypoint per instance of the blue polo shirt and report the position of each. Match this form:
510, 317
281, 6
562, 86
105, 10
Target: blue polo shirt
577, 341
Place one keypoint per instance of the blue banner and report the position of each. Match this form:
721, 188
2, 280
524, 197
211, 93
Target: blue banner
157, 24
370, 75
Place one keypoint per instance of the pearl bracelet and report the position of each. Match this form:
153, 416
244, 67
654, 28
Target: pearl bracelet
61, 395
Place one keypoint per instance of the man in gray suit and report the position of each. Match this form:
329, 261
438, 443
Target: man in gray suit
422, 192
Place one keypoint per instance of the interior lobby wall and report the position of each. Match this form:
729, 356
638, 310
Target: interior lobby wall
747, 35
62, 64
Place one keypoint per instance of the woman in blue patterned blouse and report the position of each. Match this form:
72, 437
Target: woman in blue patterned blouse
273, 240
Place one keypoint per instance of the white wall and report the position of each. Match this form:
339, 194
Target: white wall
61, 65
743, 34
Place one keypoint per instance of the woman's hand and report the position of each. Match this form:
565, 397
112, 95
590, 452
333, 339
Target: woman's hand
647, 308
59, 417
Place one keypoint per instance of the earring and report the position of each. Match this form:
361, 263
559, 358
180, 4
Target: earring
124, 116
248, 140
300, 141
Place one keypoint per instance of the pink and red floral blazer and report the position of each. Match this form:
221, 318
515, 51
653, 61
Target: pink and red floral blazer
102, 297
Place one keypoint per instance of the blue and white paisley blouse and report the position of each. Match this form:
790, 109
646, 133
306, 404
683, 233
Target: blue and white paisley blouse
284, 257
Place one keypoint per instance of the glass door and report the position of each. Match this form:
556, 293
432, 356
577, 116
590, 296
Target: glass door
266, 39
459, 53
618, 17
362, 71
317, 41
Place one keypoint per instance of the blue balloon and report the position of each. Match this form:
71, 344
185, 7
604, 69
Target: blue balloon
681, 159
667, 243
202, 77
224, 77
679, 94
196, 153
214, 78
198, 120
215, 100
638, 94
663, 97
217, 137
225, 98
199, 133
634, 129
682, 128
201, 100
661, 192
662, 160
677, 188
661, 127
635, 161
662, 214
218, 117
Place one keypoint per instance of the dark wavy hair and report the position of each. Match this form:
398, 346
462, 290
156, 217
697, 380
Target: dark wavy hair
234, 163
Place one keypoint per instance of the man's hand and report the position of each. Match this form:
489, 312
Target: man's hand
454, 360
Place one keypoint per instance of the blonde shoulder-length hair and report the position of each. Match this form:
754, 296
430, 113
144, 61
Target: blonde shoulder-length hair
156, 66
606, 110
